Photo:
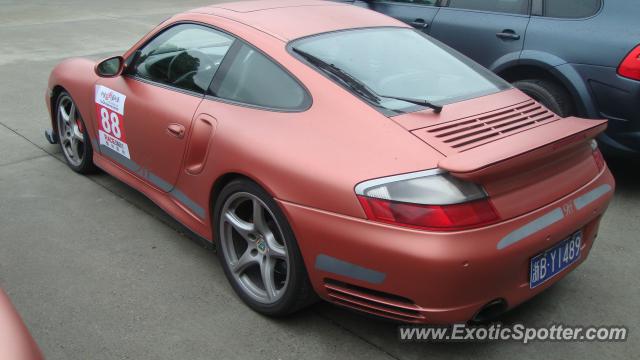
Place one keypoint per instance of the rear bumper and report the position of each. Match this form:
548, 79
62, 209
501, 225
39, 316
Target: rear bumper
438, 278
617, 99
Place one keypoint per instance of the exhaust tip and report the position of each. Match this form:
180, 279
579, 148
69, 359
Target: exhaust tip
490, 311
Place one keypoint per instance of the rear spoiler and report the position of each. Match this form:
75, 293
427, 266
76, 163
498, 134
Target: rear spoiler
525, 148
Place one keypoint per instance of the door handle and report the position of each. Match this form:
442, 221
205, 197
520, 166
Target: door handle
176, 130
419, 24
508, 34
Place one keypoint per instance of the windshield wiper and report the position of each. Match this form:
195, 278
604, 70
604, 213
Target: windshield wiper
341, 75
357, 85
425, 103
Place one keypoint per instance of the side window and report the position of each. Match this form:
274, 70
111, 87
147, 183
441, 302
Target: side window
571, 8
504, 6
185, 56
255, 80
416, 2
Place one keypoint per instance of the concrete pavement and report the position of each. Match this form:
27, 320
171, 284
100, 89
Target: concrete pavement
99, 272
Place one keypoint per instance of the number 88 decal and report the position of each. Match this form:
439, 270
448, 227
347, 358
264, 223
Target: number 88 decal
110, 122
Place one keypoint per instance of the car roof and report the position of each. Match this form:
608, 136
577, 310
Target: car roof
292, 19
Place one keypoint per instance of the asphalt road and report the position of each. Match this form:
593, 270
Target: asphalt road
99, 272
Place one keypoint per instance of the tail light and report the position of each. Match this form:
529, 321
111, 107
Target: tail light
630, 66
428, 200
597, 155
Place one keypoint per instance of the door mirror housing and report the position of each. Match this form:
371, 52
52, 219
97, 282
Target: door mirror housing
110, 67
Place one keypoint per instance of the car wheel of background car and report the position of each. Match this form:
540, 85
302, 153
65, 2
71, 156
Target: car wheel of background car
259, 252
549, 94
73, 136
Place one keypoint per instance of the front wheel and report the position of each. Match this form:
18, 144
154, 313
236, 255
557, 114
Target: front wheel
259, 252
73, 136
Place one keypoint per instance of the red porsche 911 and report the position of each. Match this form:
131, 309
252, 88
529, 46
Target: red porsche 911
331, 151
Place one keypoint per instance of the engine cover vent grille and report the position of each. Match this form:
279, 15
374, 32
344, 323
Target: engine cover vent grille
463, 134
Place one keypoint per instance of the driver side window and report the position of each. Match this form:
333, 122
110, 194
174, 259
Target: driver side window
185, 56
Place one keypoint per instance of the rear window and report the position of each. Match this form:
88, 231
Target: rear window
504, 6
403, 62
571, 8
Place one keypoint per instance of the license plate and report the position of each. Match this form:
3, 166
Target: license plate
552, 261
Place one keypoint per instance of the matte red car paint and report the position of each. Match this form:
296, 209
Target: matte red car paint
327, 149
147, 120
448, 276
15, 341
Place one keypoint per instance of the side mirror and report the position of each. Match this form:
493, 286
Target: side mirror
110, 67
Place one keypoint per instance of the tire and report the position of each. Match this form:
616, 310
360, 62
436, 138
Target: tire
549, 94
269, 247
73, 137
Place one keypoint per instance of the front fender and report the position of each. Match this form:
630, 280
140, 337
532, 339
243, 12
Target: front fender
77, 77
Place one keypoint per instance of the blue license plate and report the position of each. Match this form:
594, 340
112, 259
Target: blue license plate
552, 261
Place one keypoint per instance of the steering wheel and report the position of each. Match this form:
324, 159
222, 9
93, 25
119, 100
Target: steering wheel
195, 59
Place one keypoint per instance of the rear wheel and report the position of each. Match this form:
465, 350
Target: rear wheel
549, 94
258, 251
73, 136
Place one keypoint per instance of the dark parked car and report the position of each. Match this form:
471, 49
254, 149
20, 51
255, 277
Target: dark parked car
577, 57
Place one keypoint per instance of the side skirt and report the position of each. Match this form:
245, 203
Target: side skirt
163, 200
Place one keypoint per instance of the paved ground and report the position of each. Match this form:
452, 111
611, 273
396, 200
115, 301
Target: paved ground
99, 272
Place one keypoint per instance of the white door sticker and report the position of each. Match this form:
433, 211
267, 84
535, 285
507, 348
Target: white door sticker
110, 113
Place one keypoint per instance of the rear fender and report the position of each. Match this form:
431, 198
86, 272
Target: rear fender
566, 75
505, 61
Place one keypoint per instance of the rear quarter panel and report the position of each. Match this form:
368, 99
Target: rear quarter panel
603, 39
315, 157
584, 55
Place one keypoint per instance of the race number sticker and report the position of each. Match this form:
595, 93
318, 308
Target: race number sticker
110, 113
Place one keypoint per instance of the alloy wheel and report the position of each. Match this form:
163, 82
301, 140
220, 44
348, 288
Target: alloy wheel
70, 131
253, 247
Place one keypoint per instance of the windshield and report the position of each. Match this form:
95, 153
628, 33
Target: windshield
401, 62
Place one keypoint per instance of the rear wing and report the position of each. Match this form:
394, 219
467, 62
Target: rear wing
522, 149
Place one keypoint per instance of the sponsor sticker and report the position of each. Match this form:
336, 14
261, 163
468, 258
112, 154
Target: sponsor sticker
110, 112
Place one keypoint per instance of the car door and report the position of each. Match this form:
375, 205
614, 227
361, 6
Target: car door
417, 13
145, 115
488, 31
